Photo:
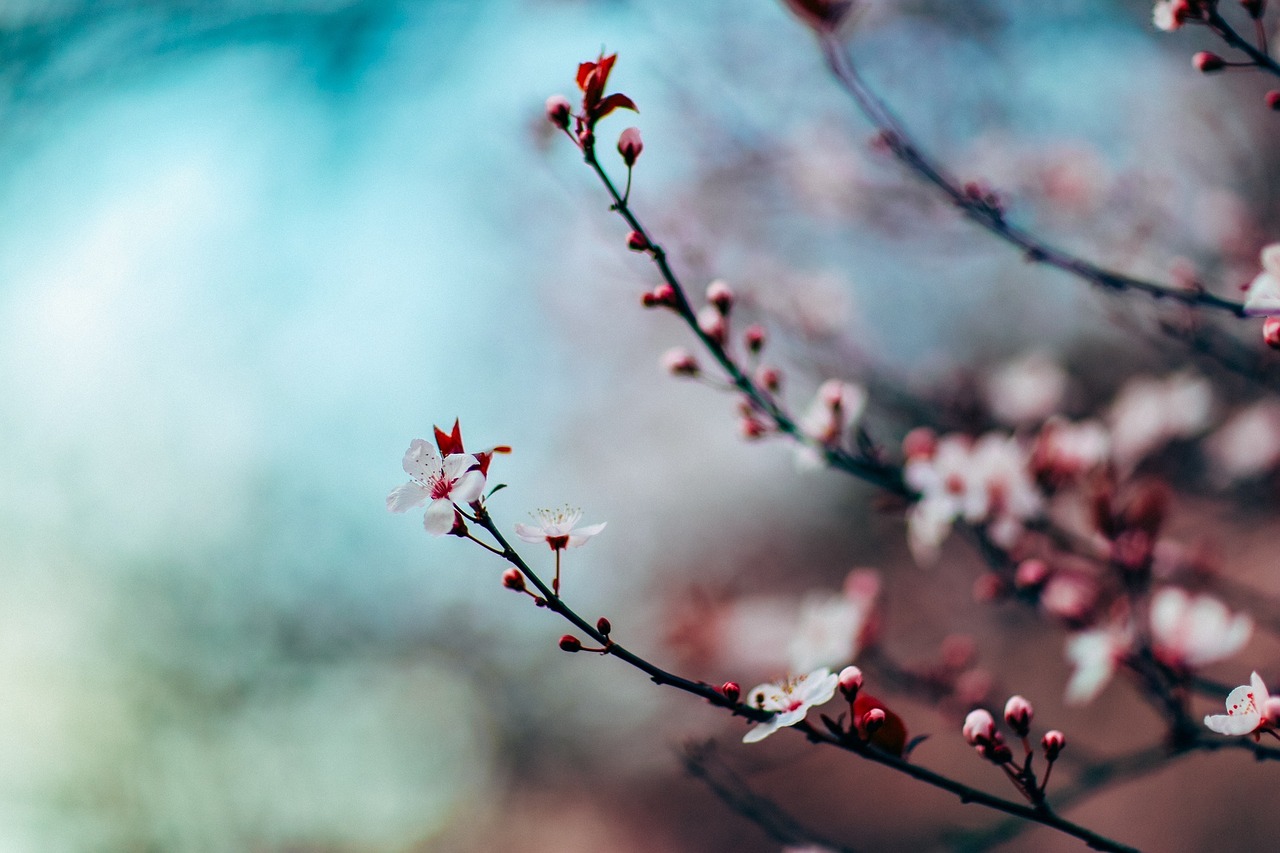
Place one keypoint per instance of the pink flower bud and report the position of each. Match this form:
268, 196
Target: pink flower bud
678, 361
920, 443
988, 587
512, 579
769, 378
1272, 99
630, 146
731, 690
1018, 713
754, 338
1053, 742
1031, 573
570, 643
558, 110
979, 727
1206, 62
1271, 332
719, 295
636, 242
604, 626
850, 682
872, 721
753, 428
712, 323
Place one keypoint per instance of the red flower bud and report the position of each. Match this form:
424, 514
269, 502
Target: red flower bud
1053, 742
850, 682
1206, 62
1018, 713
570, 643
512, 579
603, 626
636, 242
872, 721
558, 110
719, 295
731, 690
753, 337
769, 379
630, 145
1271, 332
1273, 99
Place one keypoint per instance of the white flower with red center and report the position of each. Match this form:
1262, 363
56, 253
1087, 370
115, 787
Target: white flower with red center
1249, 708
558, 528
983, 481
1194, 631
790, 700
1264, 291
444, 481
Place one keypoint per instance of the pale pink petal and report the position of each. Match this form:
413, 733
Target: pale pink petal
421, 460
579, 537
529, 533
439, 517
1233, 724
457, 464
468, 488
1264, 296
411, 494
761, 731
818, 687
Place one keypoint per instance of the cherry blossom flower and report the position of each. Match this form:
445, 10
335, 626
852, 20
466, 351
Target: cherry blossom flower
832, 629
1094, 656
984, 481
1148, 413
835, 408
1264, 291
445, 481
1065, 450
1194, 631
1247, 445
790, 700
558, 528
1026, 390
1249, 708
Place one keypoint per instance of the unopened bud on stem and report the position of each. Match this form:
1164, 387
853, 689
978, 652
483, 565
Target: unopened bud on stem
512, 579
630, 145
558, 110
570, 643
1018, 713
1053, 742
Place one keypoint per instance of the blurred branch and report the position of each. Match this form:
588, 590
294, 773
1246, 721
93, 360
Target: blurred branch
979, 205
701, 762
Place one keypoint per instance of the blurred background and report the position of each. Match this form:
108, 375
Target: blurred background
248, 250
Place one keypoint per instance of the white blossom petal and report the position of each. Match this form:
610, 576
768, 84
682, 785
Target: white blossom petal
439, 517
468, 488
404, 497
421, 460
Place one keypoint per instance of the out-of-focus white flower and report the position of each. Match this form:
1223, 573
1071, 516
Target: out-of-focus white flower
983, 481
1064, 450
1168, 15
1249, 707
1149, 413
558, 528
790, 700
831, 629
1094, 655
1264, 291
835, 408
1248, 444
1197, 630
1026, 390
456, 478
